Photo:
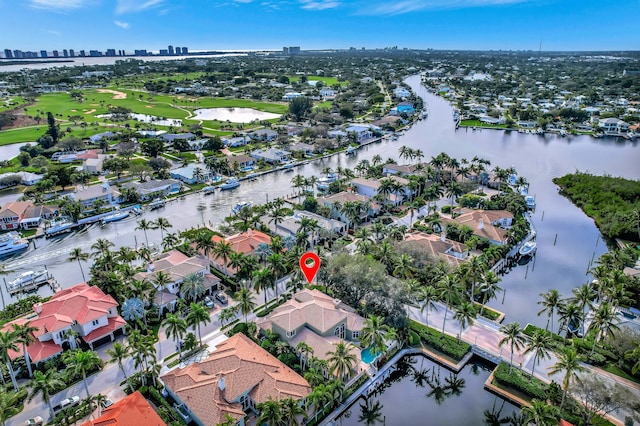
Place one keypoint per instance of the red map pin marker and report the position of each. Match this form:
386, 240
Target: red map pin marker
309, 263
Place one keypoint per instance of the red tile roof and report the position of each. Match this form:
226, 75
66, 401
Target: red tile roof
133, 410
114, 324
245, 242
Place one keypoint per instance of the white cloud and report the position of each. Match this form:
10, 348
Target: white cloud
319, 4
54, 32
407, 6
121, 24
57, 4
131, 6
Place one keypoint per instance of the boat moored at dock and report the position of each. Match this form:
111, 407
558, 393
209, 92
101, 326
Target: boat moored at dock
230, 184
241, 205
59, 226
11, 243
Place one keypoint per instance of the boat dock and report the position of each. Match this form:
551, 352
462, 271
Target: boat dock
33, 285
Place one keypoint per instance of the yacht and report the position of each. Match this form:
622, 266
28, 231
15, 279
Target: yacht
528, 248
425, 114
137, 210
208, 190
27, 278
11, 242
530, 201
157, 203
241, 205
329, 178
351, 150
59, 226
115, 217
230, 184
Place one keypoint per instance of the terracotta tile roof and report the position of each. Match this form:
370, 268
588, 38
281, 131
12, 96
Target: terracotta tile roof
16, 208
436, 247
245, 242
81, 303
344, 196
475, 218
243, 366
314, 309
176, 264
321, 345
114, 324
132, 410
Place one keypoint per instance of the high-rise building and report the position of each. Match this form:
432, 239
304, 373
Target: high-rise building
178, 50
185, 50
83, 53
72, 53
65, 53
8, 54
294, 50
43, 54
18, 54
95, 53
140, 52
110, 52
55, 54
164, 52
170, 49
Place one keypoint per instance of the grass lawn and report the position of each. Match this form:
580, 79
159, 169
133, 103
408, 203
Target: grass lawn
478, 123
325, 104
329, 81
614, 369
12, 102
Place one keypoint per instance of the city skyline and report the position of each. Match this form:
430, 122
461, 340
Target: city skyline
320, 24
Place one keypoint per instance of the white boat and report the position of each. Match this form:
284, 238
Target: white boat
136, 210
351, 150
528, 248
59, 226
230, 184
425, 114
331, 177
241, 205
530, 201
322, 186
27, 278
157, 203
289, 166
114, 217
11, 242
208, 190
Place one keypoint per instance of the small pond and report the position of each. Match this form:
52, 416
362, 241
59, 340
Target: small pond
421, 392
234, 115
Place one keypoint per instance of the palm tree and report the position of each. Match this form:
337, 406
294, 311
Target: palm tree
539, 344
79, 361
454, 190
291, 410
8, 342
278, 268
465, 314
171, 241
145, 225
175, 327
46, 383
568, 361
540, 413
304, 351
270, 413
24, 335
77, 255
341, 360
161, 279
604, 322
162, 224
244, 296
428, 298
8, 405
192, 286
569, 314
262, 280
222, 251
489, 288
373, 333
133, 310
118, 353
550, 302
198, 315
204, 243
473, 271
449, 290
276, 211
514, 337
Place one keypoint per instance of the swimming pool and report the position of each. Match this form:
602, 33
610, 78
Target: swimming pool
367, 355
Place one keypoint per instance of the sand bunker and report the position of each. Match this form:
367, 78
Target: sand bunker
148, 106
73, 110
116, 94
91, 111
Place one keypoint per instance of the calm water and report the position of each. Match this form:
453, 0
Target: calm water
539, 159
235, 115
421, 392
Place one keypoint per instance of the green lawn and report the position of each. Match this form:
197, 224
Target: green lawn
478, 123
11, 103
329, 81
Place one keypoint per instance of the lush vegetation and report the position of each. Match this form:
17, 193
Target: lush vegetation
612, 202
446, 344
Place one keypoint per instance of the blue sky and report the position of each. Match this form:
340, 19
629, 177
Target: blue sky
317, 24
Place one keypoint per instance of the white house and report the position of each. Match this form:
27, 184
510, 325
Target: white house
271, 155
401, 92
188, 173
613, 125
154, 188
90, 194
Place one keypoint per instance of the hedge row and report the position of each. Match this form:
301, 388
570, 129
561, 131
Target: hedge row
448, 345
520, 381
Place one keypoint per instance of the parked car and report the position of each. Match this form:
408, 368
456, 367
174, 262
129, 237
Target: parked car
208, 302
106, 403
37, 421
221, 298
74, 400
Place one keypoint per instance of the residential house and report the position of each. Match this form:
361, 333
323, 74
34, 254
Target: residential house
403, 108
170, 137
290, 225
132, 410
26, 178
188, 173
97, 138
401, 92
89, 195
243, 161
327, 94
12, 213
291, 96
438, 247
399, 169
527, 124
489, 224
178, 265
370, 187
271, 155
245, 242
34, 215
334, 201
154, 188
613, 125
236, 141
304, 148
264, 135
363, 132
317, 319
232, 381
82, 309
94, 165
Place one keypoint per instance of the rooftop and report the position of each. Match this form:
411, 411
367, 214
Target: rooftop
132, 410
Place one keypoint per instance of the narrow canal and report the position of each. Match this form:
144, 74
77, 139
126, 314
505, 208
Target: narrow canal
561, 266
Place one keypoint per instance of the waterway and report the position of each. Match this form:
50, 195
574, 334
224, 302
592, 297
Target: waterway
562, 265
421, 392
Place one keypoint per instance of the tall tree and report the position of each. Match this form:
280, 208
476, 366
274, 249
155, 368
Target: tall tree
568, 361
79, 361
197, 316
145, 225
175, 327
514, 337
118, 353
24, 336
162, 224
77, 255
465, 314
605, 322
341, 360
46, 384
8, 342
449, 290
373, 333
192, 286
539, 344
550, 303
244, 296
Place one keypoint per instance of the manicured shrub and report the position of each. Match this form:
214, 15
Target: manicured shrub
520, 381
